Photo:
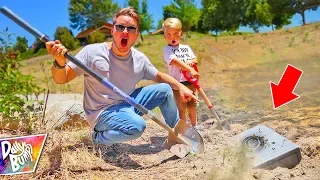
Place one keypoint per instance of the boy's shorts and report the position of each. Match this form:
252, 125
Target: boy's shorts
183, 105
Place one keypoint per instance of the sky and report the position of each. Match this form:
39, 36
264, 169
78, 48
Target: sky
46, 16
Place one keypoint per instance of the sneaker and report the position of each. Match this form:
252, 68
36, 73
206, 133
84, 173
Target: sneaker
106, 151
93, 136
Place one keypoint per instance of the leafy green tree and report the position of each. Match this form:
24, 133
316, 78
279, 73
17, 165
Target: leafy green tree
146, 21
21, 44
301, 6
260, 13
200, 27
222, 15
64, 35
91, 13
185, 10
212, 19
282, 13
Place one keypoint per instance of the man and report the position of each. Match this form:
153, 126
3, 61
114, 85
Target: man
111, 119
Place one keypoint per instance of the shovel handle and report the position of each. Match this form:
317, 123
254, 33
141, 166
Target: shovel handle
208, 103
195, 82
205, 98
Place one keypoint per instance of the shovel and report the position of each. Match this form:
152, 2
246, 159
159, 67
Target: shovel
195, 82
188, 138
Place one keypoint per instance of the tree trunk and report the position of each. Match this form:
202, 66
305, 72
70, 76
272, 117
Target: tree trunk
141, 36
303, 17
272, 27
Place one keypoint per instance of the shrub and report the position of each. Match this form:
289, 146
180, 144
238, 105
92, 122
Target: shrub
15, 87
291, 43
97, 37
306, 36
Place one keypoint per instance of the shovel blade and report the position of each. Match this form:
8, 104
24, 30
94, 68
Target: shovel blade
191, 142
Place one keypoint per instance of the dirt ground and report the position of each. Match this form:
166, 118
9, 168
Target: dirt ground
237, 71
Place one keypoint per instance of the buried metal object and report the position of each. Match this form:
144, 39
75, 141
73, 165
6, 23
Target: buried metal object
182, 133
269, 149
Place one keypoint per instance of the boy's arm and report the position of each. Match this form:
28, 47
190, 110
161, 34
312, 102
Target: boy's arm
194, 61
172, 60
193, 57
181, 65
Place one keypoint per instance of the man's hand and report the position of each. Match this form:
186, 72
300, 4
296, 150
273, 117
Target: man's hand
186, 94
57, 50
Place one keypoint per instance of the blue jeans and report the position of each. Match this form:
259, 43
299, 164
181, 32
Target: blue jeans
122, 122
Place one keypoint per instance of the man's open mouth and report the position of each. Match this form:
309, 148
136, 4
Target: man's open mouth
124, 42
173, 42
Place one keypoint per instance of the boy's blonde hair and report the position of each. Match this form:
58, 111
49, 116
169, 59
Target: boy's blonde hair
172, 23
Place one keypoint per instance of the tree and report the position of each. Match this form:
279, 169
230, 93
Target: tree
63, 34
146, 21
212, 19
301, 6
185, 10
90, 13
222, 15
282, 13
267, 13
21, 44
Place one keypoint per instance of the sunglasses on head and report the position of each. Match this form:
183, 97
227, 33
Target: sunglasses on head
121, 28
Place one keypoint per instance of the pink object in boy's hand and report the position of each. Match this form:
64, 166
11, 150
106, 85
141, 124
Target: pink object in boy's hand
194, 81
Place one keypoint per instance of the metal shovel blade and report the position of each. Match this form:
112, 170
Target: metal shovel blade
192, 140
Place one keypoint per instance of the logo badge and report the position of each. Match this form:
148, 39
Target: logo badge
19, 155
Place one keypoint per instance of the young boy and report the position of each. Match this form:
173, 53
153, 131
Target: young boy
180, 57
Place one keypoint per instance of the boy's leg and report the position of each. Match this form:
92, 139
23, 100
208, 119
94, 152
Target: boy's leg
182, 106
158, 95
192, 112
192, 106
182, 114
118, 124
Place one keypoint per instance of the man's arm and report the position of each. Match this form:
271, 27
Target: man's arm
61, 76
63, 73
185, 93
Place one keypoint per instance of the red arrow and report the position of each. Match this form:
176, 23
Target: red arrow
283, 92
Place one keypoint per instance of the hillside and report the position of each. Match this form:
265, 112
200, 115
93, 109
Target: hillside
236, 73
